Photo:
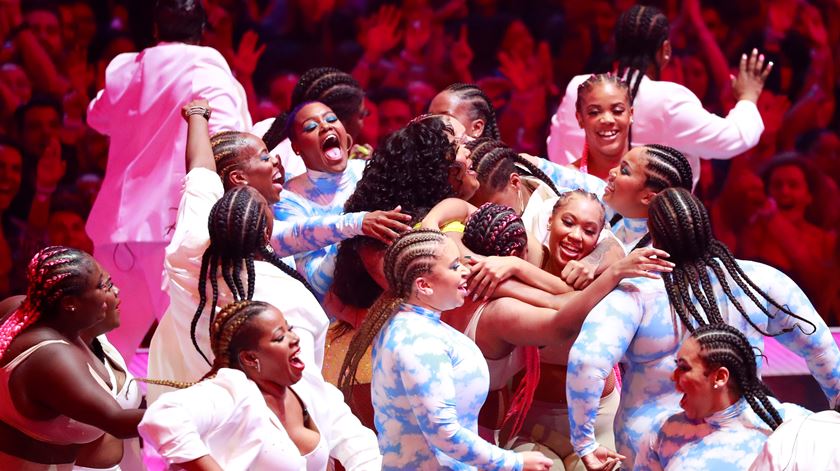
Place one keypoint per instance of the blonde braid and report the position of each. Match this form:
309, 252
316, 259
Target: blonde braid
223, 329
227, 146
409, 257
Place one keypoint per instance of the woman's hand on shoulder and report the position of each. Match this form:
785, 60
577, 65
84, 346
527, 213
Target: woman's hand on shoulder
646, 262
386, 226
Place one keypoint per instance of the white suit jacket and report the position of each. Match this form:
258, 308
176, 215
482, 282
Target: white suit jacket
665, 113
140, 110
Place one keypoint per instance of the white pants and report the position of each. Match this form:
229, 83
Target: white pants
137, 270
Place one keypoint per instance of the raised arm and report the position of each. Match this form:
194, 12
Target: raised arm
199, 152
448, 210
694, 130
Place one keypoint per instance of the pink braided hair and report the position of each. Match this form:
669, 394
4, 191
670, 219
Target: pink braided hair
40, 289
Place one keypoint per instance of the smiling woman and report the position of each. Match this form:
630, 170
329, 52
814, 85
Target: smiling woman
605, 113
429, 380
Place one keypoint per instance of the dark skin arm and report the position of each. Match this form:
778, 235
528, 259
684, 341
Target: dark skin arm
56, 378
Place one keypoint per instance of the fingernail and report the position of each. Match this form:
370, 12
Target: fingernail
743, 56
755, 50
770, 64
761, 57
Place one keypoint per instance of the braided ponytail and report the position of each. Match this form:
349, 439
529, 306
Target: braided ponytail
680, 225
410, 256
722, 345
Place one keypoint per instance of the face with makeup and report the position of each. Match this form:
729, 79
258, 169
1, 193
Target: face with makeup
696, 381
445, 286
269, 341
462, 176
259, 169
627, 191
447, 103
574, 227
605, 115
320, 139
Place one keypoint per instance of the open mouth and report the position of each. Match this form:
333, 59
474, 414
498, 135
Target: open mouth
608, 134
332, 147
570, 251
278, 180
295, 360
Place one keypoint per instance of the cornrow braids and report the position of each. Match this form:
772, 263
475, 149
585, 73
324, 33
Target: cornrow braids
225, 340
328, 85
680, 225
480, 107
494, 163
227, 146
495, 229
238, 228
599, 79
54, 272
722, 345
564, 198
411, 169
665, 167
639, 33
410, 256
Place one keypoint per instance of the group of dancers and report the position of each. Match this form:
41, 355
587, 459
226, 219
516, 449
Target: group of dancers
490, 309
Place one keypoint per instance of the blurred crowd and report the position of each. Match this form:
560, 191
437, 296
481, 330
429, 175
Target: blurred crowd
777, 203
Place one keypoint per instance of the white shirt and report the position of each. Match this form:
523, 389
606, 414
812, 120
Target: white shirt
172, 354
140, 110
227, 418
664, 113
803, 444
292, 163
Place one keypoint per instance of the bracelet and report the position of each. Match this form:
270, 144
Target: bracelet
200, 110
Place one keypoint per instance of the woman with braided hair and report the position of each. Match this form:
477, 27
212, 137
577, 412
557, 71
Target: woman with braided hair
641, 173
225, 235
666, 112
310, 222
604, 111
259, 407
429, 380
328, 85
520, 316
727, 411
54, 393
643, 322
419, 166
470, 106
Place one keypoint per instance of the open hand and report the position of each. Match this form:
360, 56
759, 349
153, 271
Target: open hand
602, 459
386, 226
751, 77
